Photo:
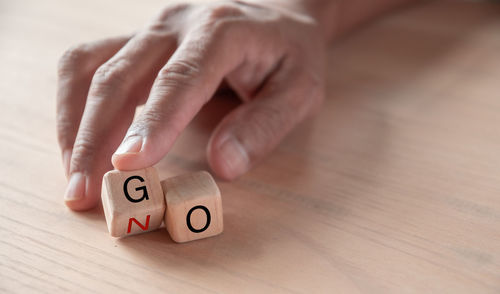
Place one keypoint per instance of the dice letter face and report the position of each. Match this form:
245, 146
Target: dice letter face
194, 207
133, 201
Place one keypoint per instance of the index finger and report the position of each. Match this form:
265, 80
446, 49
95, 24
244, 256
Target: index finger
182, 87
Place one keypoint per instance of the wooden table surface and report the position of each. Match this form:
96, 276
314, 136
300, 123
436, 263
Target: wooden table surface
393, 188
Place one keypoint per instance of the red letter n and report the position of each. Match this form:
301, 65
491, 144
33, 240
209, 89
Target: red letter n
144, 228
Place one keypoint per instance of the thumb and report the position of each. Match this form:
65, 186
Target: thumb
254, 129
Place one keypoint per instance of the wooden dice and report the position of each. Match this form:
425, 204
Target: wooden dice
194, 207
133, 201
136, 202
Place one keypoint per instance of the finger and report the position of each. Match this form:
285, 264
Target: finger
182, 86
109, 111
254, 129
75, 71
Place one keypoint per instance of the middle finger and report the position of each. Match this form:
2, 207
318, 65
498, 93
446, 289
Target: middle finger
109, 111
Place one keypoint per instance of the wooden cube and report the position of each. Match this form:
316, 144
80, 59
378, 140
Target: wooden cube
133, 201
194, 207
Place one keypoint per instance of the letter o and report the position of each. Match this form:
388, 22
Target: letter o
188, 219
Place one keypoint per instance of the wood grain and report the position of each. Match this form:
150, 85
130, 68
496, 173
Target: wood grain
392, 188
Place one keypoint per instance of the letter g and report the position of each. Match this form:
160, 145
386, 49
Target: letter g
143, 188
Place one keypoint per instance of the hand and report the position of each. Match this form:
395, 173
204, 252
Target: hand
272, 57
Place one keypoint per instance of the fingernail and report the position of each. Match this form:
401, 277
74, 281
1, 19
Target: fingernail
76, 187
235, 156
66, 158
132, 144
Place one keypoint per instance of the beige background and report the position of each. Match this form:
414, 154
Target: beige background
393, 188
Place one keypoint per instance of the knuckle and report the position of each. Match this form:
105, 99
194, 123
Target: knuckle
63, 121
181, 73
148, 122
64, 129
72, 59
160, 29
110, 75
222, 17
149, 118
83, 151
225, 9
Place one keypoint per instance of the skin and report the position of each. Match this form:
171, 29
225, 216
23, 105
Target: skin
271, 53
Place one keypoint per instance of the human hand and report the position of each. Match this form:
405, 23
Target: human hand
272, 57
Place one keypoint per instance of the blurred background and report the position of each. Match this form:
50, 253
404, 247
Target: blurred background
393, 187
